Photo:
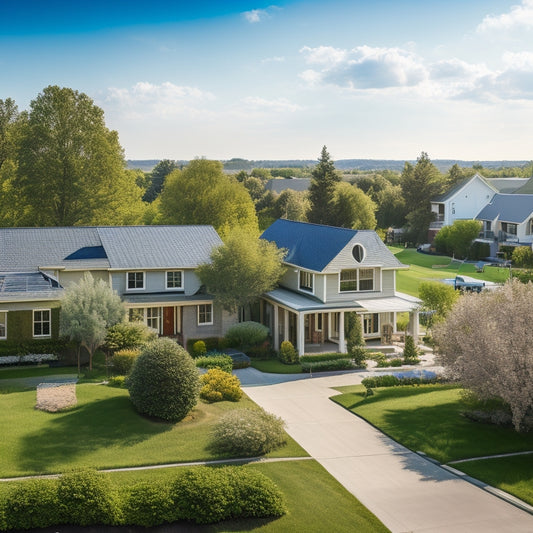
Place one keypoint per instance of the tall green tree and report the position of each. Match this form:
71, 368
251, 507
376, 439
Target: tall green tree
158, 175
438, 300
419, 185
88, 308
292, 205
242, 269
457, 239
71, 166
9, 116
202, 194
352, 208
322, 190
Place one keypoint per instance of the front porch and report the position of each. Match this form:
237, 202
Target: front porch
315, 327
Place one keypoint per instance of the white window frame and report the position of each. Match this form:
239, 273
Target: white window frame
42, 322
180, 288
371, 318
309, 277
205, 313
135, 272
151, 319
4, 323
317, 317
358, 279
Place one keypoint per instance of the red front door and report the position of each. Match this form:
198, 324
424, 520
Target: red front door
168, 321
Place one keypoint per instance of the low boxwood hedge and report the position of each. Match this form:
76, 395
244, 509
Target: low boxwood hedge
332, 364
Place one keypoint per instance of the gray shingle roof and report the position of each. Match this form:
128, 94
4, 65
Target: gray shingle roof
124, 247
514, 208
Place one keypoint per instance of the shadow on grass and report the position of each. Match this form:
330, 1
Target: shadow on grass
67, 437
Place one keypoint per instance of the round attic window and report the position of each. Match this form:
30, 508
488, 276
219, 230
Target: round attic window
358, 253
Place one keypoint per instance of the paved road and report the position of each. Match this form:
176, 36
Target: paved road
405, 491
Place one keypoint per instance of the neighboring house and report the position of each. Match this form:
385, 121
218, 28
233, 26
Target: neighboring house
464, 201
332, 271
152, 268
507, 220
279, 185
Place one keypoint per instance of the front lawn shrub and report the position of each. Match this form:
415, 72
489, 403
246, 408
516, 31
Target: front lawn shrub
287, 353
358, 355
333, 364
123, 361
248, 433
410, 352
147, 504
199, 349
32, 504
211, 343
378, 357
388, 380
219, 386
117, 381
208, 495
164, 381
203, 495
128, 336
262, 352
215, 360
246, 334
86, 497
322, 357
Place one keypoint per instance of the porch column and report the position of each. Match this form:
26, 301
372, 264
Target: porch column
275, 333
413, 325
285, 324
300, 334
342, 342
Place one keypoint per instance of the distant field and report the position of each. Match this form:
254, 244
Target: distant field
425, 267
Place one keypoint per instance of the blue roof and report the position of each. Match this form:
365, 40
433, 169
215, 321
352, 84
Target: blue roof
514, 208
311, 246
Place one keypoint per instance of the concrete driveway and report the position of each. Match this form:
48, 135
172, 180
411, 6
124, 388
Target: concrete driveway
405, 491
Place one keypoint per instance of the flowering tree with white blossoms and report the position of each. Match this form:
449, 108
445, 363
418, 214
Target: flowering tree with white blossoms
486, 342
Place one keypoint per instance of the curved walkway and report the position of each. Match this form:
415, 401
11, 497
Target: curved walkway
404, 490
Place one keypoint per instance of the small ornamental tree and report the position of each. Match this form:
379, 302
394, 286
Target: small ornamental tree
287, 353
87, 310
410, 353
438, 299
355, 340
164, 381
486, 343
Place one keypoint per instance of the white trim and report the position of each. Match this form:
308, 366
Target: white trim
180, 288
198, 315
47, 335
128, 288
303, 289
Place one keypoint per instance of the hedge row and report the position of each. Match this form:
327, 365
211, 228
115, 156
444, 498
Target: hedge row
215, 360
203, 495
323, 357
38, 346
332, 364
388, 380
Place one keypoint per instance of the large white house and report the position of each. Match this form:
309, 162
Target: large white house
332, 271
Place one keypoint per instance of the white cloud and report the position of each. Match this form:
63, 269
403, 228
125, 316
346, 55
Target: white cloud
520, 16
364, 67
259, 15
278, 105
167, 99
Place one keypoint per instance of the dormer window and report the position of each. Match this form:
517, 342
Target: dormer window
306, 281
175, 279
358, 253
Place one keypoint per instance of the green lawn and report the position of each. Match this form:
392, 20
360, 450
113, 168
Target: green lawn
103, 431
428, 419
34, 371
511, 474
425, 267
275, 366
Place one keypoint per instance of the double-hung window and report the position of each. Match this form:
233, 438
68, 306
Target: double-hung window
135, 281
152, 318
41, 323
357, 279
175, 279
306, 281
205, 314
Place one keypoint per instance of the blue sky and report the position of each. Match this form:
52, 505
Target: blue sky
368, 79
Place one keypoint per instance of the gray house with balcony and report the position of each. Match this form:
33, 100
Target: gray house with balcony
152, 268
330, 272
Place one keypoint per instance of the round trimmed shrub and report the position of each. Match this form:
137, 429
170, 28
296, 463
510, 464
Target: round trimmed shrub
32, 504
199, 349
86, 497
287, 353
220, 386
164, 381
248, 433
147, 504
